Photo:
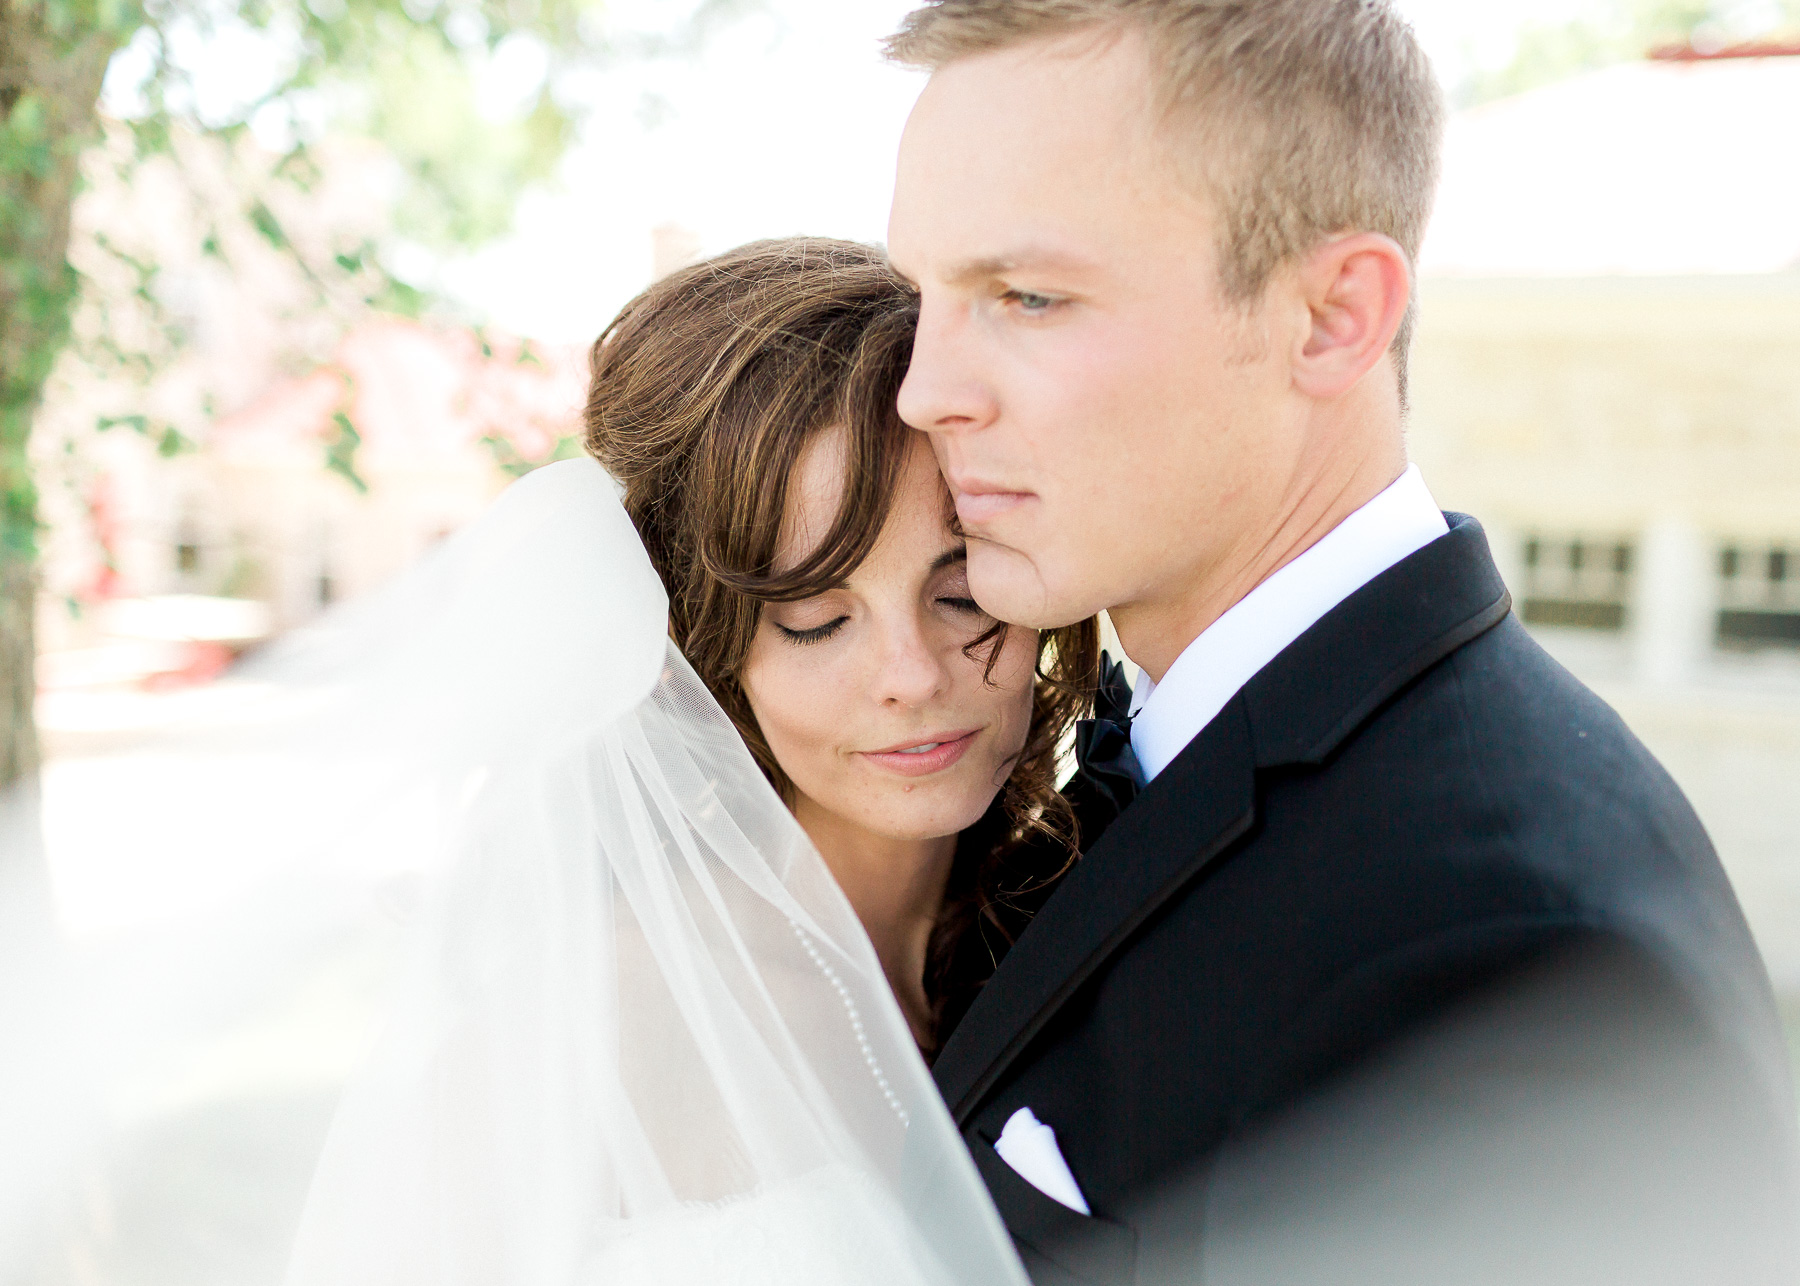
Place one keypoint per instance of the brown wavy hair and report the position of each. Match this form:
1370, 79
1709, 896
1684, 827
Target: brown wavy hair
704, 392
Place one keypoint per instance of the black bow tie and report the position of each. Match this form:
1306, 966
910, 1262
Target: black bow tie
1103, 753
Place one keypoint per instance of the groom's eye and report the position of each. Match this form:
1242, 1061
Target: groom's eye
1029, 300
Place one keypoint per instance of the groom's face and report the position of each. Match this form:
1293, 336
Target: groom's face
1111, 426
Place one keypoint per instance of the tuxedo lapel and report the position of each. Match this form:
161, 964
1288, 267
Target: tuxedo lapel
1328, 681
1295, 711
1192, 812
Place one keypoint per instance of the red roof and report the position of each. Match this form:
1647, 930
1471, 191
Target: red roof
1685, 53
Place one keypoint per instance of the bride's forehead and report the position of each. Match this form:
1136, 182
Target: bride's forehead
815, 492
815, 489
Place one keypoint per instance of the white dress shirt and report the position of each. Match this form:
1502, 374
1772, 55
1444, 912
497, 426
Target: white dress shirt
1210, 670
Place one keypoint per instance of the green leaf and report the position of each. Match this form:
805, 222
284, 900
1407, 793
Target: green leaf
340, 452
150, 137
396, 296
299, 168
264, 221
173, 443
516, 464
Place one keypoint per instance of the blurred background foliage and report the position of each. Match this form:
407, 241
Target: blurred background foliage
472, 102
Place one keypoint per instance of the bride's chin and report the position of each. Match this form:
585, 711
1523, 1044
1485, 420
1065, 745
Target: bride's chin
916, 812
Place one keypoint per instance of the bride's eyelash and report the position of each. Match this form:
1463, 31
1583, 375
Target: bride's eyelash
817, 634
963, 605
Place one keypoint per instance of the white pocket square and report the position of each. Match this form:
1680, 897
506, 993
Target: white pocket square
1029, 1147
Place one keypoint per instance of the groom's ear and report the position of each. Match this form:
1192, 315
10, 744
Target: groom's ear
1356, 289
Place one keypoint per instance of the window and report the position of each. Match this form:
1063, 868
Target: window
189, 548
1759, 596
1578, 582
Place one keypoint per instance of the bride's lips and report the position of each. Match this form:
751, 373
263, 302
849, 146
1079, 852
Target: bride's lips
924, 756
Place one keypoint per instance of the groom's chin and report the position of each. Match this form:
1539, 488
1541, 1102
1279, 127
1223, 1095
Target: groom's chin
1010, 588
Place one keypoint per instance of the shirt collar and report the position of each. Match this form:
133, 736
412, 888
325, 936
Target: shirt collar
1166, 716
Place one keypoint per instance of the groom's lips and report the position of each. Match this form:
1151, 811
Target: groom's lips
978, 503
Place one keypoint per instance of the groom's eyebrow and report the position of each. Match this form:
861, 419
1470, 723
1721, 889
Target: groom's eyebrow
1013, 261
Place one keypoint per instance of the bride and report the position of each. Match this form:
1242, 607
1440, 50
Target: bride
649, 1035
709, 801
818, 589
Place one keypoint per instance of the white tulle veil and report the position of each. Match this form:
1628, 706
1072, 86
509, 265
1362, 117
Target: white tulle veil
632, 1033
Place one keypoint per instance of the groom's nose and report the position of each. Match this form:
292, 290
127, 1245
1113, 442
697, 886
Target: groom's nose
943, 391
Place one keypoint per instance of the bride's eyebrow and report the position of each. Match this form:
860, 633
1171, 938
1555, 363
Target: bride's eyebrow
949, 557
818, 591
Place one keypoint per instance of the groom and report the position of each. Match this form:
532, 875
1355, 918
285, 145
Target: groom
1408, 962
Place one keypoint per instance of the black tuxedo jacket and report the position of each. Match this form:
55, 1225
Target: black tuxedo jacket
1409, 811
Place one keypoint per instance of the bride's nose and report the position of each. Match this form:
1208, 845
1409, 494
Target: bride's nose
910, 672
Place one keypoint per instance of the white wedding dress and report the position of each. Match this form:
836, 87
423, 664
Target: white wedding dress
636, 1034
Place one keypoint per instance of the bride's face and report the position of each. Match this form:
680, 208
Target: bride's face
864, 693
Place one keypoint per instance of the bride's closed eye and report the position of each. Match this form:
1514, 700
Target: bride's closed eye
814, 634
952, 591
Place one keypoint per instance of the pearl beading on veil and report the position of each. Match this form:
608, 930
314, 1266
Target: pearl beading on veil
856, 1023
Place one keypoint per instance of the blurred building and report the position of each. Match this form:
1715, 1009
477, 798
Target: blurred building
431, 422
1608, 375
424, 425
295, 447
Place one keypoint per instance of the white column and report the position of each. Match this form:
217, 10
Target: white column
1674, 602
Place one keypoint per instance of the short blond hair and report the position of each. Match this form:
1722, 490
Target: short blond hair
1333, 116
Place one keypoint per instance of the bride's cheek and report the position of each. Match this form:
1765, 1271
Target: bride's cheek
792, 712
